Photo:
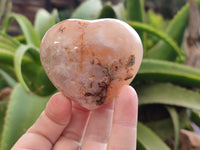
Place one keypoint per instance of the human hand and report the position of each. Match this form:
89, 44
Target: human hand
64, 125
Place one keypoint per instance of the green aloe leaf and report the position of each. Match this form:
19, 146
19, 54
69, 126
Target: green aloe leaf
135, 13
148, 140
175, 119
164, 127
89, 9
29, 67
3, 84
5, 41
176, 31
9, 70
195, 117
168, 94
27, 29
44, 20
107, 12
11, 82
35, 75
7, 58
140, 146
119, 11
18, 61
6, 21
3, 108
42, 84
2, 7
21, 39
165, 71
7, 47
135, 10
159, 34
24, 108
8, 40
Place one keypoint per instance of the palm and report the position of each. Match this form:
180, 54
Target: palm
64, 125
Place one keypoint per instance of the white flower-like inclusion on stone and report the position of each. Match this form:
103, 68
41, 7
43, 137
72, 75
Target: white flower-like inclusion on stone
88, 61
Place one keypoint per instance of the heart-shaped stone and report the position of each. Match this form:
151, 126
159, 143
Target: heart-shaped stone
88, 61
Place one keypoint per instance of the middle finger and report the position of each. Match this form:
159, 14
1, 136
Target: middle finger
71, 137
99, 128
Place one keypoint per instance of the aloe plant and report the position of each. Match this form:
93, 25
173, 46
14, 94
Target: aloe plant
21, 69
163, 80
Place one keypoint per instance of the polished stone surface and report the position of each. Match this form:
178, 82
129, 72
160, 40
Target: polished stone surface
88, 61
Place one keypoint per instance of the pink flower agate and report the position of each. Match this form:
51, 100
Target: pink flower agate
88, 61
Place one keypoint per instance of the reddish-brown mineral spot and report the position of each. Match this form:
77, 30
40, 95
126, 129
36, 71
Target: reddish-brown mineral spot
88, 61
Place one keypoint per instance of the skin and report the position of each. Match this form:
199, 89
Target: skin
62, 124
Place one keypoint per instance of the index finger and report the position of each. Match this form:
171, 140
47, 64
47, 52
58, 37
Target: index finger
48, 127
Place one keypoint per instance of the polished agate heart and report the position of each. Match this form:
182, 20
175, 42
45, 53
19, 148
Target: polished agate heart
88, 61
